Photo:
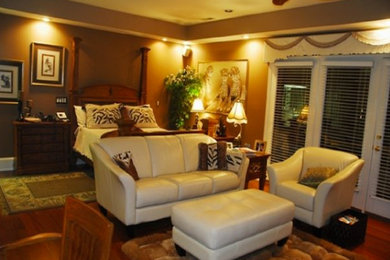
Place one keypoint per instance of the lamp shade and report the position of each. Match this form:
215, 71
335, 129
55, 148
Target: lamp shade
197, 106
237, 114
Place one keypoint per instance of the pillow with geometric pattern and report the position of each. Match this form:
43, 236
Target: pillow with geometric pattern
125, 161
143, 116
314, 176
102, 116
212, 156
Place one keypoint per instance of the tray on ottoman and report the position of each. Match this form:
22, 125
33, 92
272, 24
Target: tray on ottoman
230, 225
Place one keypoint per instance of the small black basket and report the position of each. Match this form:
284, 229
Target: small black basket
348, 235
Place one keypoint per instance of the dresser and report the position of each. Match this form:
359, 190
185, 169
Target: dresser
41, 147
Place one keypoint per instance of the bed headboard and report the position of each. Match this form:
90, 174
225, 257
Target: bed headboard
103, 94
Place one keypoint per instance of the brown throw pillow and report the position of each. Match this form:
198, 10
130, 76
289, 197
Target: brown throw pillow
314, 176
212, 156
125, 161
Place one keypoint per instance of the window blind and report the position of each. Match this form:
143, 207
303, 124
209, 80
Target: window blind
345, 105
291, 106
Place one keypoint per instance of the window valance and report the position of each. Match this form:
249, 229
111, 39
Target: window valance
367, 42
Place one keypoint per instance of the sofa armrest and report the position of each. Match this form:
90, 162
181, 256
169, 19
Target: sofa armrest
115, 189
287, 170
335, 194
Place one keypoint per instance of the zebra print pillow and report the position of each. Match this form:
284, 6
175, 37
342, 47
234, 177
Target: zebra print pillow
125, 161
143, 116
212, 156
234, 159
103, 116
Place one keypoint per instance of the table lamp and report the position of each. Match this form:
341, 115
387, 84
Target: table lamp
238, 117
197, 107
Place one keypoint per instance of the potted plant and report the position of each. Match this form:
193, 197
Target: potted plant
183, 88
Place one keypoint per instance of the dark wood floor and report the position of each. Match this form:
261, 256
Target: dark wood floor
13, 227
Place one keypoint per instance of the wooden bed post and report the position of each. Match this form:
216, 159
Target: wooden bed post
73, 90
144, 66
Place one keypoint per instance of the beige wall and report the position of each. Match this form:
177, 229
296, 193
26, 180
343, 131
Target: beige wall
253, 51
114, 58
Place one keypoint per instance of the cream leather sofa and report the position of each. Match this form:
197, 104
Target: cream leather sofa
332, 196
167, 167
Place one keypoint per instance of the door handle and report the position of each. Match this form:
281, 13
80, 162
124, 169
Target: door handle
377, 148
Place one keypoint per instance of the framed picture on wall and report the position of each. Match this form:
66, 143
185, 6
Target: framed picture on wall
47, 65
11, 79
223, 83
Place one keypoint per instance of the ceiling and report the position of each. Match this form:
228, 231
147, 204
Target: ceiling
205, 21
190, 12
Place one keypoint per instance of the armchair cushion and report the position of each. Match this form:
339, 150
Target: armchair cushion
314, 176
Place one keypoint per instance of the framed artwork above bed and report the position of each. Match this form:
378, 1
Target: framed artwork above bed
47, 65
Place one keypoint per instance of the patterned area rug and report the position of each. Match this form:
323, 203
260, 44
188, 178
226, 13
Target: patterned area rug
300, 246
24, 193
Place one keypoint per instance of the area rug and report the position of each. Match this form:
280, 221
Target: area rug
300, 246
24, 193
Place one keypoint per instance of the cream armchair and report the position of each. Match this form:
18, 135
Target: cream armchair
332, 196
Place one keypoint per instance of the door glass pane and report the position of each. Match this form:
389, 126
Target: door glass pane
383, 185
345, 106
291, 111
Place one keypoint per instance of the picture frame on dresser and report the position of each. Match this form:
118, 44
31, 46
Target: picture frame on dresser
11, 79
260, 145
47, 65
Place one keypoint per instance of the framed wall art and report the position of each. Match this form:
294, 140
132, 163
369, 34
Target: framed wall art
11, 79
47, 65
223, 83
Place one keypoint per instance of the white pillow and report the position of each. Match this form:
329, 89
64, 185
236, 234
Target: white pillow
80, 115
143, 116
103, 116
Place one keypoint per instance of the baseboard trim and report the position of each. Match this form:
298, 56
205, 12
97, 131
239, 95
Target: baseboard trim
7, 163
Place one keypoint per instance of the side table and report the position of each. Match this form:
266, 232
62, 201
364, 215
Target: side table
257, 168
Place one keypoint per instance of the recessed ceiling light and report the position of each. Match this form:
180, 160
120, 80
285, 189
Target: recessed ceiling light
164, 39
46, 19
245, 36
228, 10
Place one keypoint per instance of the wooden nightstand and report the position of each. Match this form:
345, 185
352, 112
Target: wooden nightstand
225, 138
257, 168
41, 147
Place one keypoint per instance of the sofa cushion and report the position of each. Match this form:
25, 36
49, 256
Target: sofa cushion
222, 180
189, 143
314, 176
190, 184
212, 156
155, 191
234, 159
302, 196
125, 161
138, 147
166, 154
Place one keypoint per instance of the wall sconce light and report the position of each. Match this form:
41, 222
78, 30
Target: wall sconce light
186, 51
197, 107
238, 117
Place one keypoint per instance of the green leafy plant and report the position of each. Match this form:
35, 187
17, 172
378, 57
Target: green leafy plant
183, 88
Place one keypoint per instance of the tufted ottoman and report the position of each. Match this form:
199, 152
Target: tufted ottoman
230, 225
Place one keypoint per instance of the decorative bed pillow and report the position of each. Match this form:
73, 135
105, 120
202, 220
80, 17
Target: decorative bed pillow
80, 115
212, 156
125, 161
143, 116
102, 116
314, 176
234, 159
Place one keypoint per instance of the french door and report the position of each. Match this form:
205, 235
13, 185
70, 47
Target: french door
347, 111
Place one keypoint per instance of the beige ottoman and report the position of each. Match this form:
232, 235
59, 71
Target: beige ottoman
230, 225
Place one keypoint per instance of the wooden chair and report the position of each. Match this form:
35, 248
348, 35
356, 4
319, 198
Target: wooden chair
86, 234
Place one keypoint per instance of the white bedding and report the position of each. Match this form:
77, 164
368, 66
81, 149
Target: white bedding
86, 136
